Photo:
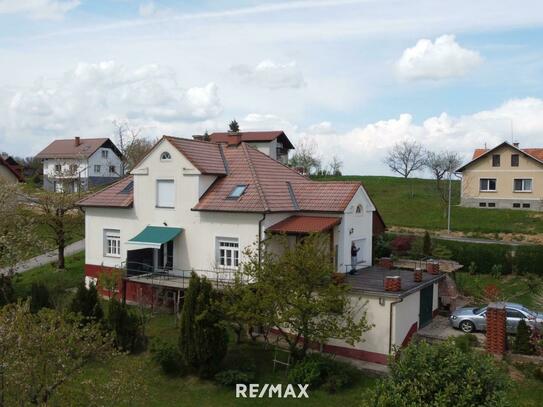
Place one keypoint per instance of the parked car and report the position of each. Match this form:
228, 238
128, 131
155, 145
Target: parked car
474, 319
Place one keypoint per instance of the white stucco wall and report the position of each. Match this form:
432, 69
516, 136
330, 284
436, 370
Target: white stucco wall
267, 147
66, 164
404, 315
104, 163
7, 176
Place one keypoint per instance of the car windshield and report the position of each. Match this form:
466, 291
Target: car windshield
479, 310
527, 311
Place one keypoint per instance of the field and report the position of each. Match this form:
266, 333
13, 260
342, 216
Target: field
415, 203
156, 389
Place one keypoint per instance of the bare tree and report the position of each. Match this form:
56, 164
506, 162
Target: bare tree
306, 157
335, 166
131, 144
405, 157
442, 165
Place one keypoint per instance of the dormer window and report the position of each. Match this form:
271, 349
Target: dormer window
165, 156
237, 192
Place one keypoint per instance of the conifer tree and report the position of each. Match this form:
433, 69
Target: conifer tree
233, 126
522, 342
87, 303
39, 297
187, 346
427, 244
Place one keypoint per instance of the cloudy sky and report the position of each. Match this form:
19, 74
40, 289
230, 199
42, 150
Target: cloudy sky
353, 76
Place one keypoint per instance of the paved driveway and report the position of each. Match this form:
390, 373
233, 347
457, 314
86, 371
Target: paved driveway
440, 329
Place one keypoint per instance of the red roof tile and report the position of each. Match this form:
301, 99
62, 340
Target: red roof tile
205, 156
12, 169
252, 136
118, 195
536, 153
305, 224
68, 148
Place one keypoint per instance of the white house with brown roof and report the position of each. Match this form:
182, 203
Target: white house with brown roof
505, 176
193, 205
10, 171
78, 164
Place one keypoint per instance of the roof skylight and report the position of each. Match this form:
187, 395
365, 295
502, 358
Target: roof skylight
238, 191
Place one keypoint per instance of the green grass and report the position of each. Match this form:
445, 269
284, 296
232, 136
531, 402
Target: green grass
513, 288
416, 203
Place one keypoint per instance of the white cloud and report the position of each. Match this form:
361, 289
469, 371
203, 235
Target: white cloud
271, 75
151, 10
321, 128
86, 99
441, 59
38, 9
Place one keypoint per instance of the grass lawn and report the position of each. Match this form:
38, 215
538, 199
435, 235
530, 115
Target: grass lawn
513, 288
416, 203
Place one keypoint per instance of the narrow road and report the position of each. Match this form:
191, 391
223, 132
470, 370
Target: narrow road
47, 258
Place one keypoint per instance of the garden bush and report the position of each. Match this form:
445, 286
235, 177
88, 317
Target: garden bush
529, 259
401, 244
168, 357
231, 377
126, 327
322, 371
87, 303
39, 297
465, 342
522, 343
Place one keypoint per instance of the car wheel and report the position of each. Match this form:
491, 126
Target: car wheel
467, 326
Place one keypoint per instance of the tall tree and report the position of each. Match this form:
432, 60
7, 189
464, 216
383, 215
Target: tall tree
306, 157
131, 144
233, 126
442, 165
87, 304
405, 158
203, 338
40, 352
292, 290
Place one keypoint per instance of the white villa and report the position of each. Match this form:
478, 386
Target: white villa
78, 164
193, 205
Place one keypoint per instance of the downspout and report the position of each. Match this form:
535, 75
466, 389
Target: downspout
390, 324
260, 238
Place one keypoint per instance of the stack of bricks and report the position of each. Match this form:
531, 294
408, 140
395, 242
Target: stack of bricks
417, 276
386, 262
393, 283
496, 334
432, 267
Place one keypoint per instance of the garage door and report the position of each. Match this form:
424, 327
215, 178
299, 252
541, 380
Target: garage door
426, 300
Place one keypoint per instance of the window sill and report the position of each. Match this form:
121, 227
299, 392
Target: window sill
490, 191
112, 256
164, 207
522, 192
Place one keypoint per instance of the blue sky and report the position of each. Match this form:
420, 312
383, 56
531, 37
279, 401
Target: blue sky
352, 77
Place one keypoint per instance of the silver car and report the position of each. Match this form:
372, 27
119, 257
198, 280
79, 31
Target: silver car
474, 319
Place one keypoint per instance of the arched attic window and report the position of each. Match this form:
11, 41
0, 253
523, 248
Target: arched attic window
359, 210
165, 156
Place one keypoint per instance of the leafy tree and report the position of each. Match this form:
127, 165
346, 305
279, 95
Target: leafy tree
7, 295
405, 158
292, 289
87, 304
441, 375
522, 343
427, 244
40, 352
233, 126
125, 327
203, 339
39, 297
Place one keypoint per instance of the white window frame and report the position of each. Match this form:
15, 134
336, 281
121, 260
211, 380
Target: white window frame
159, 204
165, 156
523, 182
361, 213
114, 169
112, 243
488, 185
105, 154
97, 169
227, 252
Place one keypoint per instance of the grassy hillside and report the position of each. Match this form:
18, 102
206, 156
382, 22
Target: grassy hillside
416, 203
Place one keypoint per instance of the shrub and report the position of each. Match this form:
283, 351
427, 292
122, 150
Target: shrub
497, 270
321, 371
401, 244
39, 297
472, 269
465, 342
382, 247
427, 244
442, 252
7, 294
442, 375
528, 259
87, 303
231, 377
125, 326
168, 357
522, 343
239, 358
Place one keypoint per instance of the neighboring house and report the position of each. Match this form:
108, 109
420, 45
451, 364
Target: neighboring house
193, 205
274, 144
10, 170
505, 176
78, 164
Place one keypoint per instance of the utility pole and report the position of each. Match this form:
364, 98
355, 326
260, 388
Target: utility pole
449, 207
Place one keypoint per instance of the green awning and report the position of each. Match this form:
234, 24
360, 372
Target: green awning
154, 236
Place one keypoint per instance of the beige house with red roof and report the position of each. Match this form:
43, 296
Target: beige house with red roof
78, 164
506, 177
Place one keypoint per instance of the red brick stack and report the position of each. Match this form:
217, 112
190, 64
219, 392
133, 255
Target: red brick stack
432, 267
386, 262
496, 334
393, 283
417, 276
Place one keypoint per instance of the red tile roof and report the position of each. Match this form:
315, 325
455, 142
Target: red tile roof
252, 136
536, 153
118, 195
305, 224
68, 148
205, 156
12, 169
271, 186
